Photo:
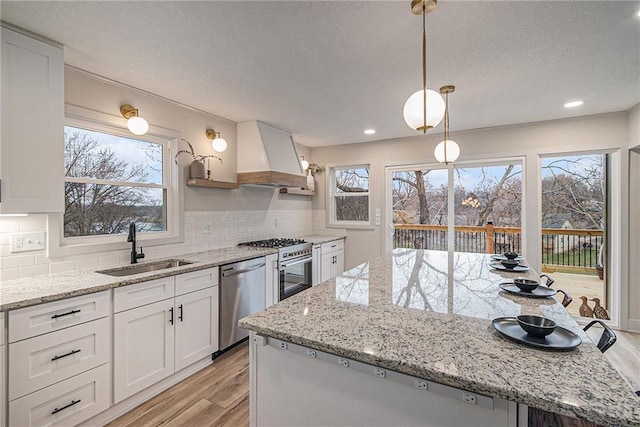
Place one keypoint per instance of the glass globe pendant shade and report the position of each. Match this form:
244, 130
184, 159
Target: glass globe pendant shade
219, 144
414, 114
453, 151
137, 125
304, 164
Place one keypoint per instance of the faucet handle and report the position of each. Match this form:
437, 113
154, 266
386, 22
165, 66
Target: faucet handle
141, 254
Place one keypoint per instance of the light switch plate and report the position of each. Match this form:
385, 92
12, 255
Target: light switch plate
28, 241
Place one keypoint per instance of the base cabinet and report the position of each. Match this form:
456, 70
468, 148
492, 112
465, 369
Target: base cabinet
155, 340
143, 352
332, 260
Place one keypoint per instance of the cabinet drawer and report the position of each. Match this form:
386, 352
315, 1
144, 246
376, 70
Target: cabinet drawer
332, 246
56, 405
41, 361
127, 297
40, 319
190, 282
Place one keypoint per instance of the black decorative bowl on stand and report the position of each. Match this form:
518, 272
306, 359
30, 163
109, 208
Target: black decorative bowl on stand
526, 285
536, 326
510, 263
511, 255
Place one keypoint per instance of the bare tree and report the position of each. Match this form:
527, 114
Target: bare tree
96, 208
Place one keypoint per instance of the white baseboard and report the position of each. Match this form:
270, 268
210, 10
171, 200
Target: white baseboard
127, 405
633, 325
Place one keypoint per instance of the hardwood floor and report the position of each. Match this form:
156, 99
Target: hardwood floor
219, 394
216, 396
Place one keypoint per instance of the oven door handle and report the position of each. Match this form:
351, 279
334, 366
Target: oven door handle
302, 261
232, 272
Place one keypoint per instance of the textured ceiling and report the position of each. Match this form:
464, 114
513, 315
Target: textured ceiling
327, 70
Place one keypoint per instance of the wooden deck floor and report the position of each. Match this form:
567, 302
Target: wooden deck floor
577, 285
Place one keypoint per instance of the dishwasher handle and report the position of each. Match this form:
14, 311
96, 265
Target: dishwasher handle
231, 272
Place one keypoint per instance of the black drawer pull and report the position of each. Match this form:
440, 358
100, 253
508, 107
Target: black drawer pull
54, 358
69, 313
171, 315
73, 402
180, 315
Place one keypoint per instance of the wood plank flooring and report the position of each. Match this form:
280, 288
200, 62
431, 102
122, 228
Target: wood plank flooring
219, 394
216, 396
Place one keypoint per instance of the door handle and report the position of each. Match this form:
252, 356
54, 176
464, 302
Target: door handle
232, 272
54, 358
171, 315
73, 402
180, 315
68, 313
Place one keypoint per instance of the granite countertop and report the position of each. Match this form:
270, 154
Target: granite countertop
51, 287
318, 240
406, 312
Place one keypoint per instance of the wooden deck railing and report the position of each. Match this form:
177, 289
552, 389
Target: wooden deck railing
561, 247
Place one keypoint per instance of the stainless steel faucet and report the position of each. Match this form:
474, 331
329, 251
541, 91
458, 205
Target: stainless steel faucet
135, 256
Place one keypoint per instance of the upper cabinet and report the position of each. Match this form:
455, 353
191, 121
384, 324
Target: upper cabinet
32, 146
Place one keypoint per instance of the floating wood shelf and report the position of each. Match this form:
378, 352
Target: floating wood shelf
298, 191
208, 183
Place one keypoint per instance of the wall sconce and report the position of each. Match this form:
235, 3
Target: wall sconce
217, 143
315, 168
136, 124
304, 163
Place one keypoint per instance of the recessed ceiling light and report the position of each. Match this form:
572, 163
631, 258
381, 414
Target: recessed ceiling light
573, 104
369, 131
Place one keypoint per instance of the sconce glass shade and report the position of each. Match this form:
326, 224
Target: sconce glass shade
137, 125
414, 112
453, 151
219, 144
304, 163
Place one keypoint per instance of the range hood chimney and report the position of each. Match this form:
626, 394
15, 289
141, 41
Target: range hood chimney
267, 156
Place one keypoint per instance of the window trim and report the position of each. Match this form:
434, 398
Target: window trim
331, 195
58, 245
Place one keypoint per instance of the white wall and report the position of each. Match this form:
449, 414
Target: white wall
528, 141
243, 214
634, 219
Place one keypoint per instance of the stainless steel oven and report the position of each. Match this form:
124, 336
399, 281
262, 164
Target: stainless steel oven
295, 275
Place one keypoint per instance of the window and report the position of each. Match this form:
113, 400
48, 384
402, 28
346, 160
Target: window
349, 195
114, 178
112, 181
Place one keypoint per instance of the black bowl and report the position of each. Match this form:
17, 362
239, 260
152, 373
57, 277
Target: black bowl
526, 285
509, 263
511, 255
536, 326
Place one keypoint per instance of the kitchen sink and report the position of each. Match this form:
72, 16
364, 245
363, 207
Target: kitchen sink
144, 268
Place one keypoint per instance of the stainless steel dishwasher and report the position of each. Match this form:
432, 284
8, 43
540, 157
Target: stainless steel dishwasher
242, 292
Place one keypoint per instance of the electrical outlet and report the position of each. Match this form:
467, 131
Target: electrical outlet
283, 345
380, 373
343, 362
207, 228
30, 241
377, 220
421, 385
469, 398
277, 222
311, 353
378, 212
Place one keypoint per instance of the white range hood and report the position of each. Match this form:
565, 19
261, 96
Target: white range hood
267, 156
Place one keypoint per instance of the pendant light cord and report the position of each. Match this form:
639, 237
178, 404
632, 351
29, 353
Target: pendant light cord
424, 69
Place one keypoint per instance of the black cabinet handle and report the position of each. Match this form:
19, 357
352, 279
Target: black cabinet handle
171, 315
73, 402
180, 315
69, 313
54, 358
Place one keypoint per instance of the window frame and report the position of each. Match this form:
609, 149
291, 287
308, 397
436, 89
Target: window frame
78, 117
332, 222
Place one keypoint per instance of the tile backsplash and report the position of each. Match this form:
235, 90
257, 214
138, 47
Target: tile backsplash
203, 231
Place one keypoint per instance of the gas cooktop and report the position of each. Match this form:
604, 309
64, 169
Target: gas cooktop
274, 243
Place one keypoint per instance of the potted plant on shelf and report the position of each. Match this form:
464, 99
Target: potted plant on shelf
196, 168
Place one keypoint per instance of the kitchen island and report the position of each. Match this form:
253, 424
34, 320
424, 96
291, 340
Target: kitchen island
407, 339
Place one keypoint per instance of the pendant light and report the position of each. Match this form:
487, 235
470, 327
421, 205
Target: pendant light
425, 108
447, 151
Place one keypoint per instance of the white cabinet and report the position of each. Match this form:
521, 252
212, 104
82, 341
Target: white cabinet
143, 347
161, 327
59, 372
196, 326
332, 260
272, 280
32, 125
